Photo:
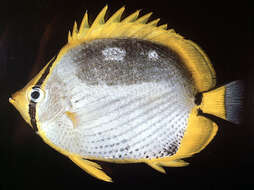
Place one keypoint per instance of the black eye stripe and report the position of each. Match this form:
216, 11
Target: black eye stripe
32, 104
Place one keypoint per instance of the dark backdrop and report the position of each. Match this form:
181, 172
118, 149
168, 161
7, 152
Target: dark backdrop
31, 32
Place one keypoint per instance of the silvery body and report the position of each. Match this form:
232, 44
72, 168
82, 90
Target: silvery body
131, 98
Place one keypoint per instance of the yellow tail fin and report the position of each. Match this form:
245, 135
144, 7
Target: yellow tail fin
213, 102
225, 102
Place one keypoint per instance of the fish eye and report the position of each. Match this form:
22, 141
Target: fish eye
36, 94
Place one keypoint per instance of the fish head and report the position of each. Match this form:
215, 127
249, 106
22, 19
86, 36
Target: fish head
31, 93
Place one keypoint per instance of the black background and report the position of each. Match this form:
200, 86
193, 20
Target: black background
31, 33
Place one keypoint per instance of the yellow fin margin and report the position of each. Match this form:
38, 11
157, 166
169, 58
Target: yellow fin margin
199, 133
100, 24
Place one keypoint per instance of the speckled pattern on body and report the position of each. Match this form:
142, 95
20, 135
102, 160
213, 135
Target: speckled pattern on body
132, 99
124, 61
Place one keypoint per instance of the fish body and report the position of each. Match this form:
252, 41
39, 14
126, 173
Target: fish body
124, 91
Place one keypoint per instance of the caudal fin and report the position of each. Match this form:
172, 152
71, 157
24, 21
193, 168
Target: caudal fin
225, 102
234, 97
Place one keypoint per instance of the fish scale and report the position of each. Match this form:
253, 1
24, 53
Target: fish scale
126, 111
118, 135
93, 91
121, 107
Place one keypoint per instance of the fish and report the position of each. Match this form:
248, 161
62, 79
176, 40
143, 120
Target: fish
127, 90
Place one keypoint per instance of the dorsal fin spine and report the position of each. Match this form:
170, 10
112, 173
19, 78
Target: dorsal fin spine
75, 30
69, 37
99, 20
84, 25
144, 18
164, 26
154, 22
132, 17
131, 26
116, 17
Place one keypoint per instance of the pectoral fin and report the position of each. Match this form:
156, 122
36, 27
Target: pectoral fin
158, 165
90, 167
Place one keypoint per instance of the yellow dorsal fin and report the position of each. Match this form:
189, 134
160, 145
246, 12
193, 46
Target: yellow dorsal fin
191, 54
154, 22
164, 26
84, 26
143, 19
131, 26
75, 30
116, 17
69, 36
90, 167
132, 17
99, 19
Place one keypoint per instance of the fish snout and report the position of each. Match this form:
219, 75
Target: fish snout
20, 102
11, 100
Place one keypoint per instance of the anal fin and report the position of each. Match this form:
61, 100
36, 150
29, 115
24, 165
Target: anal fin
158, 165
174, 163
90, 167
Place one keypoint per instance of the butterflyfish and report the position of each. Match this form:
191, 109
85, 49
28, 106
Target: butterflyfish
124, 90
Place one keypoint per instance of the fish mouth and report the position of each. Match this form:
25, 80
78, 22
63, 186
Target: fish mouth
20, 106
11, 100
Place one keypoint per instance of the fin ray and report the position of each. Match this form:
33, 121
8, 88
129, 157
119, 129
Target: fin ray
69, 37
100, 17
234, 97
132, 17
144, 19
75, 30
116, 17
199, 133
225, 102
155, 166
164, 26
90, 167
84, 24
154, 22
174, 163
158, 165
213, 102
